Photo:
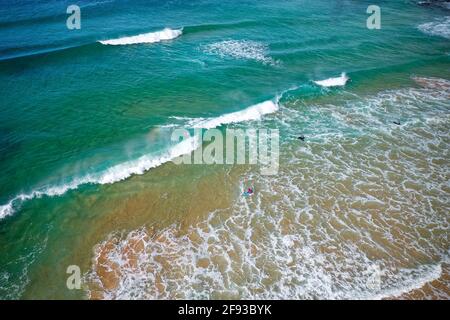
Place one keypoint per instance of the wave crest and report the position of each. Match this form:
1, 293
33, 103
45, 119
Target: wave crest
252, 113
152, 37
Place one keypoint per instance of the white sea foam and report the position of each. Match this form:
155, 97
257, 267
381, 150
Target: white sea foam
439, 27
334, 82
240, 49
254, 112
144, 163
152, 37
411, 279
167, 265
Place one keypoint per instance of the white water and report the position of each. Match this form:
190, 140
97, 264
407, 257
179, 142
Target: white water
240, 49
345, 204
113, 174
334, 82
139, 166
152, 37
439, 27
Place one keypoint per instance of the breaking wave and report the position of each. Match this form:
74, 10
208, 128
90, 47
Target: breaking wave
349, 215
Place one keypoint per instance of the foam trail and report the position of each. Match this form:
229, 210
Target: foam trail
139, 166
241, 49
152, 37
334, 82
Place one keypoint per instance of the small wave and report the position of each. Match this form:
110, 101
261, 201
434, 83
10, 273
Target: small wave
334, 82
152, 37
34, 51
47, 16
147, 265
254, 112
439, 27
279, 239
113, 174
240, 49
208, 27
